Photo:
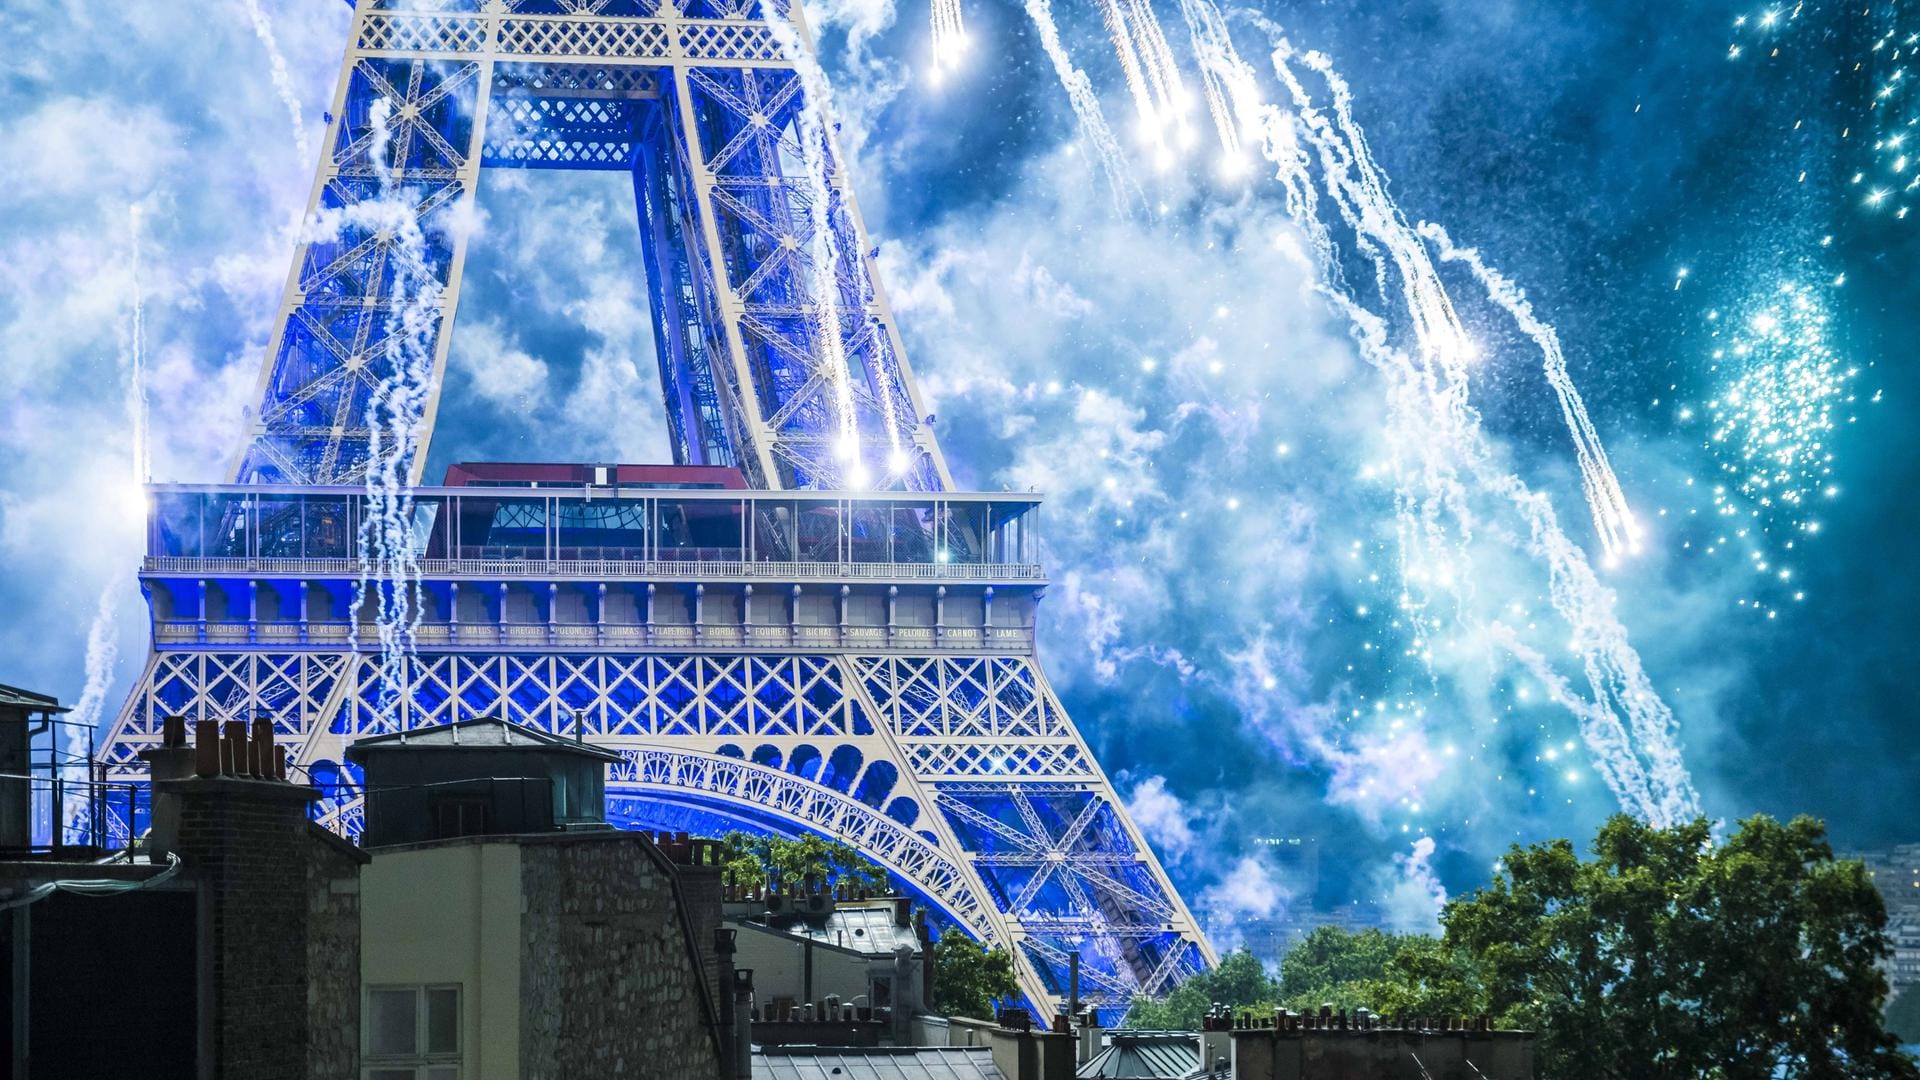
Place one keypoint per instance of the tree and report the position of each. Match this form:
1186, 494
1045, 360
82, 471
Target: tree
1668, 955
1335, 966
1240, 982
756, 861
969, 978
1377, 970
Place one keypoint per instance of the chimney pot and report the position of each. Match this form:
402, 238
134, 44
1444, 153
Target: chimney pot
233, 756
206, 748
173, 732
261, 747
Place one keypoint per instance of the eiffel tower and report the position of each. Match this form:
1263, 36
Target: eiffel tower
797, 627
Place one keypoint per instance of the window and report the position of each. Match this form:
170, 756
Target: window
412, 1033
458, 815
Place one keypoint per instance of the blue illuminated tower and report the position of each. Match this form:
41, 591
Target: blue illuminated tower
797, 627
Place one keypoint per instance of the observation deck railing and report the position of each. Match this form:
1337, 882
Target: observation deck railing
996, 639
587, 532
678, 567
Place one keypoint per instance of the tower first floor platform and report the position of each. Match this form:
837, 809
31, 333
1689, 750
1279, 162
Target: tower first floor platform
880, 688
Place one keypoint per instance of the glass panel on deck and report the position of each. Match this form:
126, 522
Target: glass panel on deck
819, 532
601, 529
700, 530
869, 540
328, 527
279, 526
178, 518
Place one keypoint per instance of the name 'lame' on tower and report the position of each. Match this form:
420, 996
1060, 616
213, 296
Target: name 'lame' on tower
796, 627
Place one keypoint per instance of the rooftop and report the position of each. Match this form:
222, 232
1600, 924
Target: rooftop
875, 1063
15, 698
486, 733
1145, 1055
860, 926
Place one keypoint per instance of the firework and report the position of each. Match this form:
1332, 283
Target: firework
1782, 393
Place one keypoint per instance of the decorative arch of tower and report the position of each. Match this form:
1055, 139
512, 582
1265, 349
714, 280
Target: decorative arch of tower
846, 647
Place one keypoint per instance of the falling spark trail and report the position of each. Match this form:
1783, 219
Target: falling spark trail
1453, 461
103, 655
282, 81
823, 255
137, 407
1156, 58
1153, 77
1086, 108
1128, 53
1228, 82
103, 651
390, 560
949, 36
1443, 465
1612, 517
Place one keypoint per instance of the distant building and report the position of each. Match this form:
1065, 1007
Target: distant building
1896, 873
1270, 938
812, 949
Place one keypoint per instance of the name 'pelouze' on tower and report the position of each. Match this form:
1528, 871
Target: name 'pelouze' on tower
797, 626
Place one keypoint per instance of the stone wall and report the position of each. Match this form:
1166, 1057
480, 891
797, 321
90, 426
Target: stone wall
1382, 1053
611, 981
333, 955
245, 841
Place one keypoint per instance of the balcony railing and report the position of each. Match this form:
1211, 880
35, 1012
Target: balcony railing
998, 639
675, 568
604, 532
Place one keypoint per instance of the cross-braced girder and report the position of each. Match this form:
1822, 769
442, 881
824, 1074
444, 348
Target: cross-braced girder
773, 359
1029, 852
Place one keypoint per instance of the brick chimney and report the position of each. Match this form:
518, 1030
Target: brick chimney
171, 760
270, 882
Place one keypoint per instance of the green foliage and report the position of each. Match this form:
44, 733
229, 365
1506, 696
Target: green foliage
1369, 969
1427, 977
754, 861
1667, 956
1380, 971
968, 977
1663, 957
1240, 982
1330, 958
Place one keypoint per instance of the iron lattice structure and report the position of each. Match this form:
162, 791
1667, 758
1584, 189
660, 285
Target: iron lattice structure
791, 658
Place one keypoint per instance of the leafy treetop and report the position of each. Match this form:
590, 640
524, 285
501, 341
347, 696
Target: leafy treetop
969, 978
1666, 955
753, 861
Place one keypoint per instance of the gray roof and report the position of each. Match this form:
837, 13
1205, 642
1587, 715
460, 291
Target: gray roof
487, 733
875, 1063
1145, 1055
862, 929
14, 697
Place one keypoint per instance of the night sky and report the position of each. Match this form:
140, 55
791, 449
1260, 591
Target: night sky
1666, 182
